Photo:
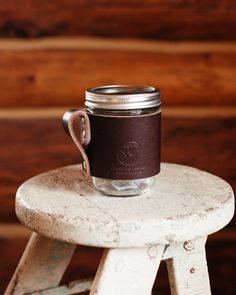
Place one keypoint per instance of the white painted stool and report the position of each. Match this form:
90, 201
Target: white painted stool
169, 223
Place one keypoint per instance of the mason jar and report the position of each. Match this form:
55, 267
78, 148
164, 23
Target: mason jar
124, 152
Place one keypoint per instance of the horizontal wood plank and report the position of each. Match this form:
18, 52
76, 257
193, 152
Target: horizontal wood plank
32, 146
137, 45
44, 76
197, 112
221, 262
159, 19
13, 231
168, 112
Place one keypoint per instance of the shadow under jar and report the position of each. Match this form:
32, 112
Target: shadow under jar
124, 152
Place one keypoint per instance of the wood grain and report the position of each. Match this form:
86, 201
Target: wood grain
41, 266
193, 261
13, 231
118, 44
220, 254
199, 112
172, 20
58, 77
203, 204
127, 271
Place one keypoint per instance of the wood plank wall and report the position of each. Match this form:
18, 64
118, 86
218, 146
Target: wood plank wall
52, 51
57, 72
153, 19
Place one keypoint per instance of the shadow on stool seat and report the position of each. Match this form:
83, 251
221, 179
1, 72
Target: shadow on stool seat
169, 223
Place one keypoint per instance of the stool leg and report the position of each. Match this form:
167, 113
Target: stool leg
127, 271
42, 265
188, 273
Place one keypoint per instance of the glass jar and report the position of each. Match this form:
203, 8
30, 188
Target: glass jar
128, 101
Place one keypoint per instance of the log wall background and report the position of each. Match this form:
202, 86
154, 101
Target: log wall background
155, 19
51, 51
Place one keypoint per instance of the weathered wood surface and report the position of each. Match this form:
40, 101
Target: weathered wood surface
76, 287
53, 75
127, 271
174, 20
41, 144
83, 265
63, 204
187, 269
208, 144
220, 255
41, 266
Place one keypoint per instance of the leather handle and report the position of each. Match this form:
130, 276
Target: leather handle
76, 124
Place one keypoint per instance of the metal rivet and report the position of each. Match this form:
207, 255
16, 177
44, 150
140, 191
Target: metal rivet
188, 245
192, 270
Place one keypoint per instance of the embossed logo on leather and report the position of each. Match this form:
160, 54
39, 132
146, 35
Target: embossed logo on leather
129, 153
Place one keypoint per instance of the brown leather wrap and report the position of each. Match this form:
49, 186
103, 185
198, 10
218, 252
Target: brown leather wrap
124, 147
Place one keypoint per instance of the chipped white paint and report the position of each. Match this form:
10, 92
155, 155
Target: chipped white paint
127, 271
184, 204
188, 274
169, 223
76, 287
41, 266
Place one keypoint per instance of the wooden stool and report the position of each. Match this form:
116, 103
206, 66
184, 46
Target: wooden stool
169, 223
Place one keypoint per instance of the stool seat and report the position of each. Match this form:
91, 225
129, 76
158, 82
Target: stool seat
169, 223
184, 204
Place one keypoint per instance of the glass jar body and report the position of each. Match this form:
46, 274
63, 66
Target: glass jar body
121, 187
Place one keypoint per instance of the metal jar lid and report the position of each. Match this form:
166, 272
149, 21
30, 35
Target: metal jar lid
120, 97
